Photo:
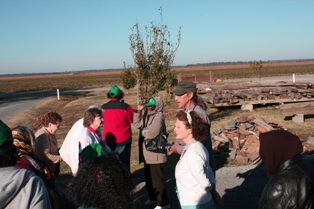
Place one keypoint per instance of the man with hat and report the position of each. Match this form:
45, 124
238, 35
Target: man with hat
186, 97
118, 117
20, 188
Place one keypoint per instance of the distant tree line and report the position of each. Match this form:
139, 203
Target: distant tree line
244, 62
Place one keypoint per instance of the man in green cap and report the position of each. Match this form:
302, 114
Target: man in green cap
118, 116
20, 188
185, 95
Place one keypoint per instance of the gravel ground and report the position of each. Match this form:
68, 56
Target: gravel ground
239, 186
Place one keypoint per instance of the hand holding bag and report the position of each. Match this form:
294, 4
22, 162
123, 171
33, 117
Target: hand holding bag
157, 144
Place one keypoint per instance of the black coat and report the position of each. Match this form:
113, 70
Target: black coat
291, 185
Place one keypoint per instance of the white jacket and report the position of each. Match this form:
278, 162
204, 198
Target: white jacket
193, 175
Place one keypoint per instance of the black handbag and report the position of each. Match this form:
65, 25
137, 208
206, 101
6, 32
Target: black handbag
157, 144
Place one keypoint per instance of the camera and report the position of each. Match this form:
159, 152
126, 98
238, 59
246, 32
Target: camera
167, 144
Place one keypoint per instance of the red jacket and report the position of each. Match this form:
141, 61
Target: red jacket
117, 117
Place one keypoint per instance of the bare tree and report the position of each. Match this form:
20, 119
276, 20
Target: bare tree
257, 66
153, 56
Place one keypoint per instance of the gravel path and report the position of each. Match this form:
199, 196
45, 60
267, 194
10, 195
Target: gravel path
239, 186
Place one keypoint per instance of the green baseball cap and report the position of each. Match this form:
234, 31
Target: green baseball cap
6, 139
151, 102
114, 91
184, 87
93, 150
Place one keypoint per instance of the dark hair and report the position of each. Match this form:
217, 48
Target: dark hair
199, 129
50, 117
199, 101
8, 158
102, 182
118, 97
90, 115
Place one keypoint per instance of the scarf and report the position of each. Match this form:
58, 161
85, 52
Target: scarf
278, 146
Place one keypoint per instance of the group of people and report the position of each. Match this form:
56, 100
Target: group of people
29, 181
100, 158
195, 171
93, 161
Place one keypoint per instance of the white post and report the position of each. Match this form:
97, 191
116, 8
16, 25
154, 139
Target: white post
58, 95
293, 78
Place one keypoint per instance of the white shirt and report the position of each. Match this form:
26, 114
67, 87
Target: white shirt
193, 175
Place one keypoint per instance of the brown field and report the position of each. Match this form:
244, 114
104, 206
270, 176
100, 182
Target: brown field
240, 66
58, 75
177, 69
104, 78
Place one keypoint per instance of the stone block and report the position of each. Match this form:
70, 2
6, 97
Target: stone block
248, 107
298, 118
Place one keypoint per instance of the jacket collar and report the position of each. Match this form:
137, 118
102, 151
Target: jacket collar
287, 163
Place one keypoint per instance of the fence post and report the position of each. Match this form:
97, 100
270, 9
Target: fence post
58, 95
210, 76
293, 78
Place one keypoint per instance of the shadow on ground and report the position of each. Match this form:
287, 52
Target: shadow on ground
247, 194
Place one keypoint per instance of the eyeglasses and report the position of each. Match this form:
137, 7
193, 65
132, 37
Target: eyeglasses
58, 125
100, 118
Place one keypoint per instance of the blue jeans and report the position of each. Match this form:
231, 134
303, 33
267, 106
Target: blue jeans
123, 151
207, 205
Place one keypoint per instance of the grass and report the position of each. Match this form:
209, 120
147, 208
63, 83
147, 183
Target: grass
72, 106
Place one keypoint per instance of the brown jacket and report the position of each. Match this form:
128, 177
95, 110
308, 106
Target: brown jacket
150, 125
47, 148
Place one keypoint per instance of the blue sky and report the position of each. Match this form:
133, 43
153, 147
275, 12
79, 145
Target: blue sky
70, 35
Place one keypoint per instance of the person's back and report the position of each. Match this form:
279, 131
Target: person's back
291, 186
101, 182
20, 188
290, 173
117, 119
24, 142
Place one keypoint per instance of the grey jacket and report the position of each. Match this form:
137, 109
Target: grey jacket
21, 188
151, 125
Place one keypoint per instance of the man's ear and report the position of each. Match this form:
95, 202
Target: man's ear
190, 95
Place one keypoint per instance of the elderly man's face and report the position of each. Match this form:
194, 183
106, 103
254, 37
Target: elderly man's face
184, 101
